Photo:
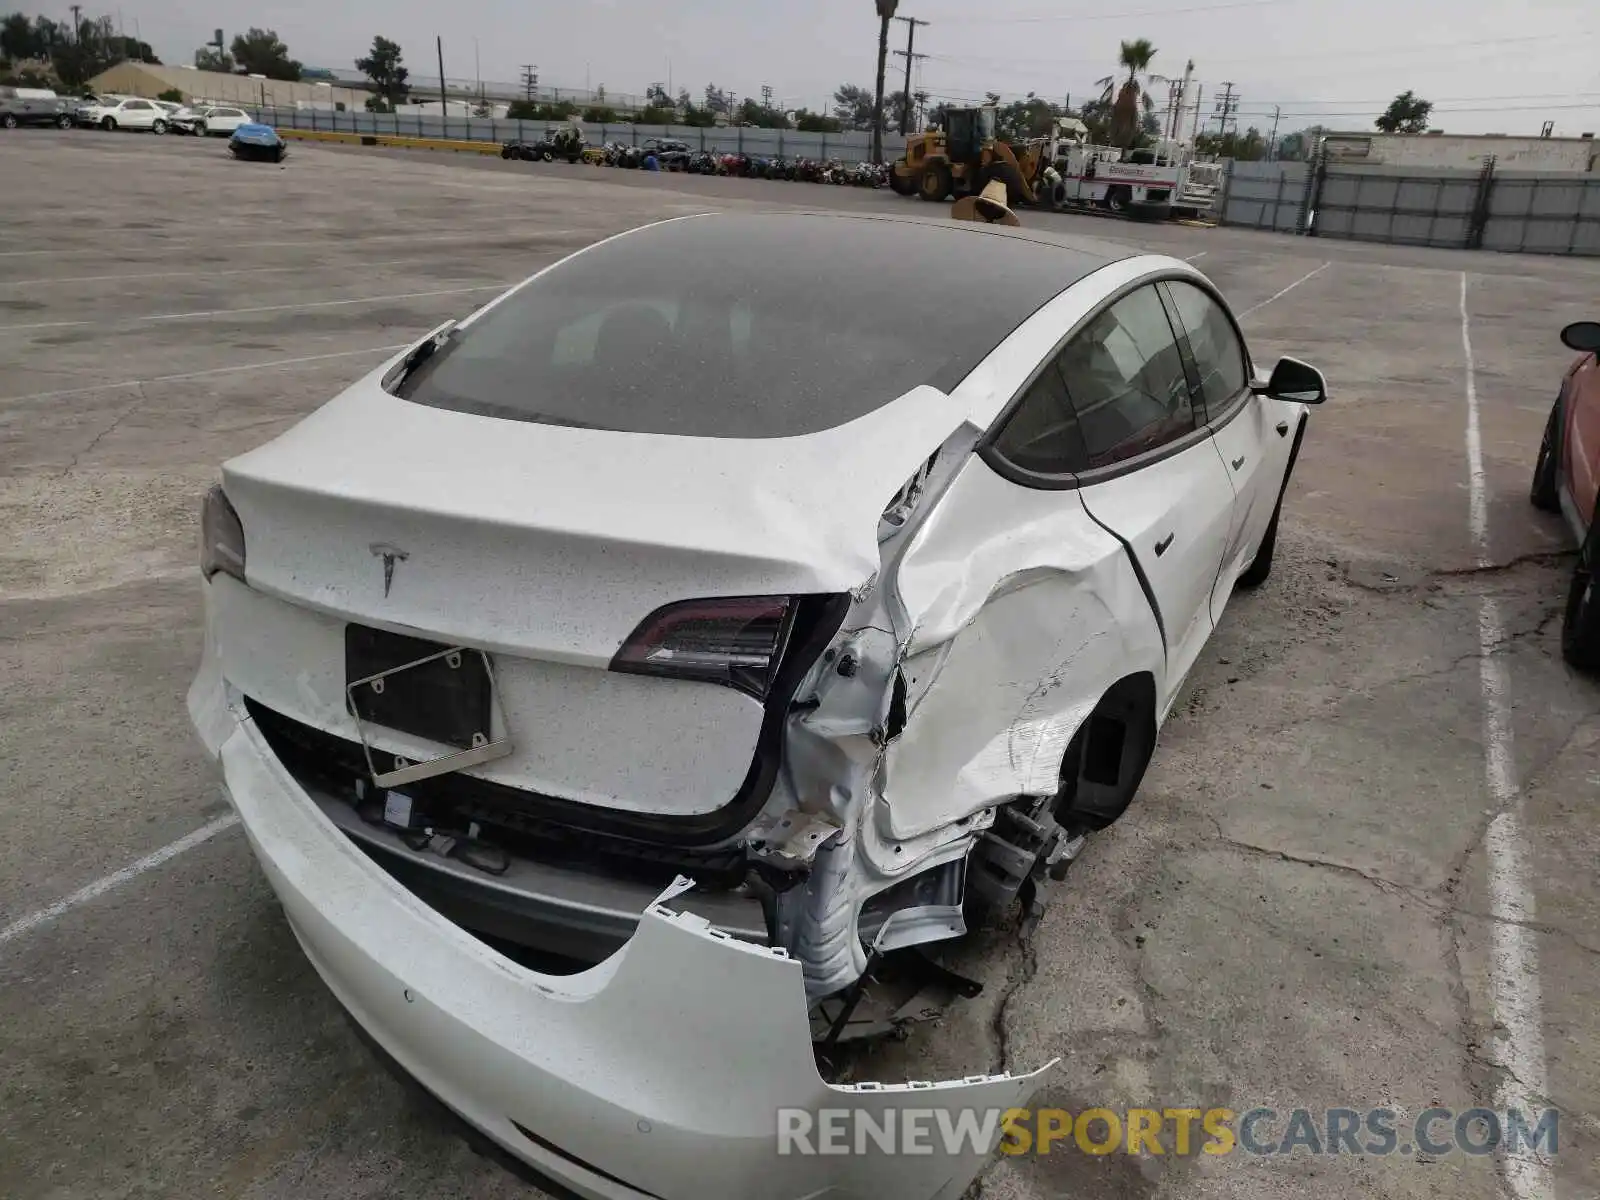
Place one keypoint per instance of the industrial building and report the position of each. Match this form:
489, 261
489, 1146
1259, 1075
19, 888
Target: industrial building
1465, 150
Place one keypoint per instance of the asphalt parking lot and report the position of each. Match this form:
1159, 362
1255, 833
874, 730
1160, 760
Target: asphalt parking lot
1360, 872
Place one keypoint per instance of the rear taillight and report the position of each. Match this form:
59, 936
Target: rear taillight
221, 537
734, 641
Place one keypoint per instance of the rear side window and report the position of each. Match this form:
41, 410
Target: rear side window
1126, 377
742, 326
1043, 434
1219, 355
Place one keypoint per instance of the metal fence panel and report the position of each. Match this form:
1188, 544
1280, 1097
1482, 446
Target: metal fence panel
1544, 214
1264, 195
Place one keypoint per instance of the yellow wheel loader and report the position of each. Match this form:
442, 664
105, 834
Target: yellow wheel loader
964, 157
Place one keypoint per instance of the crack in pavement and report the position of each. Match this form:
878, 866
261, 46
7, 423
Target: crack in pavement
1025, 942
1545, 558
107, 431
1427, 898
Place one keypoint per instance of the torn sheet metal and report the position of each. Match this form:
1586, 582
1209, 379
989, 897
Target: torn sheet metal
661, 1072
1025, 612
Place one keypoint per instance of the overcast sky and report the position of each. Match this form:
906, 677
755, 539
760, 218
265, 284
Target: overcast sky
1489, 65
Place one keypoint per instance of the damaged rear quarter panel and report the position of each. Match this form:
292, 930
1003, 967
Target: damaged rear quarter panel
1023, 612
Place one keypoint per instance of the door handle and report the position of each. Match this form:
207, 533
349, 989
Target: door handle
1283, 429
1161, 546
1238, 462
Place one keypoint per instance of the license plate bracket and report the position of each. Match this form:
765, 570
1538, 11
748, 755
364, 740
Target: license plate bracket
440, 693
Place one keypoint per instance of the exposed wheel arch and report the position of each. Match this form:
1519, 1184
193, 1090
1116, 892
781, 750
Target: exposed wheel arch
1105, 761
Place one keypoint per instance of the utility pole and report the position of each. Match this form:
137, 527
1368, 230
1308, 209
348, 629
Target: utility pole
909, 57
1227, 104
905, 93
530, 81
1272, 146
77, 23
766, 97
444, 106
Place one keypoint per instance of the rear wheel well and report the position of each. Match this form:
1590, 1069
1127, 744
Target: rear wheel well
1106, 759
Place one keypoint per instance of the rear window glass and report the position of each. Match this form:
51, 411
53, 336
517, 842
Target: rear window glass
745, 326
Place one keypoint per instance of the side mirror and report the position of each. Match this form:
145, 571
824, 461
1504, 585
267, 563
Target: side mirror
1298, 382
1583, 336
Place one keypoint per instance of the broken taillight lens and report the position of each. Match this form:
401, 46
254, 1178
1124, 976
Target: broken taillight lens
221, 537
734, 641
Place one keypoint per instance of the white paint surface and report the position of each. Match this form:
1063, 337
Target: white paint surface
116, 879
1513, 952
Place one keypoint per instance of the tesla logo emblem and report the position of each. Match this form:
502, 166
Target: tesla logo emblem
390, 555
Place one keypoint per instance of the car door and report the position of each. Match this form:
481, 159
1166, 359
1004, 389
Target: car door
1251, 434
137, 114
225, 120
1152, 477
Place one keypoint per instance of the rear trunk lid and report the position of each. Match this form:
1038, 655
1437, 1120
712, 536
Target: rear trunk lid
546, 546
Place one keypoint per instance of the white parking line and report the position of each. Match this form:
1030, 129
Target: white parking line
1192, 257
1285, 291
269, 364
117, 878
263, 308
1513, 954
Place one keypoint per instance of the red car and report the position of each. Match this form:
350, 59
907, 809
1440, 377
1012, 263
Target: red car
1566, 480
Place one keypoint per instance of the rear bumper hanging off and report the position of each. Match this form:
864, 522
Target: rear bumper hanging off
659, 1073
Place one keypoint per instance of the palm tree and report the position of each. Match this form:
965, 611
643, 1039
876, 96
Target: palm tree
1131, 101
885, 15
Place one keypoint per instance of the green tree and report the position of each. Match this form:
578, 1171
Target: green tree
260, 52
94, 50
1131, 99
600, 114
697, 117
382, 65
171, 95
19, 40
853, 106
1407, 113
1023, 119
753, 112
657, 114
810, 122
885, 15
210, 58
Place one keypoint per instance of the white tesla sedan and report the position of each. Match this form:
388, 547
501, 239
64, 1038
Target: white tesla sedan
845, 567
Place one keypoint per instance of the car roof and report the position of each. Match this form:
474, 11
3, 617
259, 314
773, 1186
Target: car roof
944, 272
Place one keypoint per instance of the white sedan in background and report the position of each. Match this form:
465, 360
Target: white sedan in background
209, 119
732, 550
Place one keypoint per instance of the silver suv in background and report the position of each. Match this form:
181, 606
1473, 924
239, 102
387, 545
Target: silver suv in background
32, 106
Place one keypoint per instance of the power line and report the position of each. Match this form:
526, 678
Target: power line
1112, 16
